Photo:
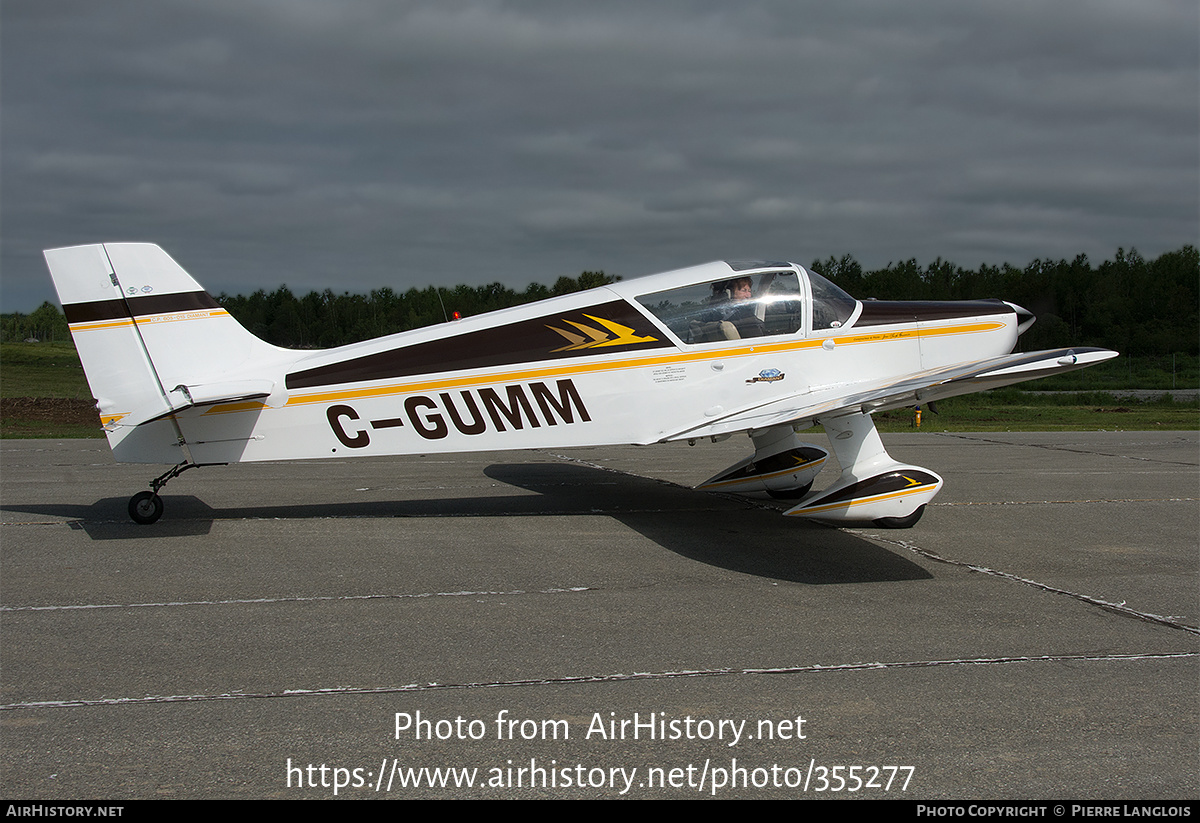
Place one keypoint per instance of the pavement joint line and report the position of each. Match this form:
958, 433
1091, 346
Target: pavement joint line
1117, 608
78, 523
585, 679
297, 599
1052, 447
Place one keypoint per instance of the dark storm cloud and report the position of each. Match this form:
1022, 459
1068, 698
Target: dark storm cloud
353, 145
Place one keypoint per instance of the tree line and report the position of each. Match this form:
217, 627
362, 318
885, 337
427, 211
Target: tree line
324, 319
1147, 307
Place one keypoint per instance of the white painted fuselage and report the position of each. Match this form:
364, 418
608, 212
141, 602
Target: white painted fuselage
706, 351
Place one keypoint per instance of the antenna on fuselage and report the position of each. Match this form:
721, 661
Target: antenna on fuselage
446, 317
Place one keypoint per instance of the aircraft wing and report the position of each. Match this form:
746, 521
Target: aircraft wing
909, 390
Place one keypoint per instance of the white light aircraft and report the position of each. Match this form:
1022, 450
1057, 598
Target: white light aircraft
765, 349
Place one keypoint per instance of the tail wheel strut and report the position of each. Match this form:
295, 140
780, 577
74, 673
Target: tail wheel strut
146, 507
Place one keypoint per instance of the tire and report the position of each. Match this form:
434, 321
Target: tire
900, 522
790, 494
145, 508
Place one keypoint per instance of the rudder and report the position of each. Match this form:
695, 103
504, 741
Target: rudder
152, 342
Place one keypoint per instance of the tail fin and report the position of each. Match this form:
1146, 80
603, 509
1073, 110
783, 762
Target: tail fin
152, 342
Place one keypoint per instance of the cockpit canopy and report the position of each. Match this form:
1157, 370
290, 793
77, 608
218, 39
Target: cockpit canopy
750, 304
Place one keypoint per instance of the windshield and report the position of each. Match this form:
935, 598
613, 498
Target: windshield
735, 308
832, 307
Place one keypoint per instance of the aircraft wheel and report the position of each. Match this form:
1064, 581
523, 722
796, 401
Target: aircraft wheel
791, 494
900, 522
145, 508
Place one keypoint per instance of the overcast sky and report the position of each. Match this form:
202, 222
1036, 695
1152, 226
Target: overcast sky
360, 143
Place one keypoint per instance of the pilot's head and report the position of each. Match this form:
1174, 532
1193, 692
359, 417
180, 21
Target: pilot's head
741, 289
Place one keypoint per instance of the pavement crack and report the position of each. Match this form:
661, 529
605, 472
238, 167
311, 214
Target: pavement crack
296, 599
596, 678
1053, 447
1116, 608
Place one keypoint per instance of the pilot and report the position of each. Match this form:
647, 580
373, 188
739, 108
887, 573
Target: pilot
734, 302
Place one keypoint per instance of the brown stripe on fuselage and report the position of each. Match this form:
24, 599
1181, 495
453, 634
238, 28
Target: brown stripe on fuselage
886, 312
525, 341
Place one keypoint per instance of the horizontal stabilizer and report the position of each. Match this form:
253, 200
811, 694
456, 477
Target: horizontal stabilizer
232, 391
181, 398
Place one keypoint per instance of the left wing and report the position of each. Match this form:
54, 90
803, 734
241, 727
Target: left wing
908, 390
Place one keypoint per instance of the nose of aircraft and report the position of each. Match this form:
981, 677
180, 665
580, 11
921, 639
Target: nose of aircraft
1025, 317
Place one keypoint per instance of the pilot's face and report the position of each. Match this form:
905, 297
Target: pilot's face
741, 290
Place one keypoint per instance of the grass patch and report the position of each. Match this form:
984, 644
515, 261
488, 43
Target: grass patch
33, 371
16, 428
42, 370
1015, 410
44, 394
1170, 371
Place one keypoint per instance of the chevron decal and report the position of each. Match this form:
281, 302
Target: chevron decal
591, 338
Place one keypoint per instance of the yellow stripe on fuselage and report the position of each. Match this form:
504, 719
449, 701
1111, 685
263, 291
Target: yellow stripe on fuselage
522, 375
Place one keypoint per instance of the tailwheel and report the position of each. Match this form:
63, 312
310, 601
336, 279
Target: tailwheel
145, 508
900, 522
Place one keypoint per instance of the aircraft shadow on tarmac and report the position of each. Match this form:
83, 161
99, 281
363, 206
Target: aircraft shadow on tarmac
724, 531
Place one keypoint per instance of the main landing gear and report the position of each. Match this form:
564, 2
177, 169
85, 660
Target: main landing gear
146, 507
872, 487
782, 466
